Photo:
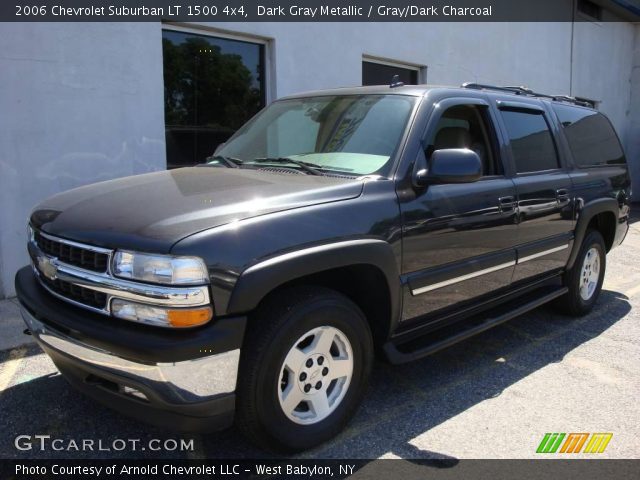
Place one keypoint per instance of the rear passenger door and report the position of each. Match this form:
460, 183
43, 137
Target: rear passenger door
543, 189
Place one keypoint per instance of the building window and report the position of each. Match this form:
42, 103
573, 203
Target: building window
590, 9
211, 87
378, 72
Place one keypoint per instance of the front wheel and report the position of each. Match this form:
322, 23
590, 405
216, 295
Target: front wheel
585, 278
304, 369
315, 375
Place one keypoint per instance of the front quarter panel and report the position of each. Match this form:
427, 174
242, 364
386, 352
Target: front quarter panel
328, 235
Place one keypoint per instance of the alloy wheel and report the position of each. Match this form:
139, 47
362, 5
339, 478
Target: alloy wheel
590, 274
315, 375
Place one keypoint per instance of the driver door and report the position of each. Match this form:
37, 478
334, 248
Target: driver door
458, 238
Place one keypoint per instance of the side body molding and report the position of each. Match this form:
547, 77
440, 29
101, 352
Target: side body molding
585, 214
261, 278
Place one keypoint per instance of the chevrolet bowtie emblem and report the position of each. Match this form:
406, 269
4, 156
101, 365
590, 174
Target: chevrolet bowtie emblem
47, 267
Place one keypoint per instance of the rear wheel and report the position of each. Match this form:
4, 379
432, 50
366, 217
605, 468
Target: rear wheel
304, 367
585, 278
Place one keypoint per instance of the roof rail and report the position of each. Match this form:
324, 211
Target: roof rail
528, 92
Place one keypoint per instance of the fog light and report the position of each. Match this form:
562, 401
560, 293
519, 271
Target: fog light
159, 316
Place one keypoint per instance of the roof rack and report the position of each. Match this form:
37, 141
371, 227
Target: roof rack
521, 90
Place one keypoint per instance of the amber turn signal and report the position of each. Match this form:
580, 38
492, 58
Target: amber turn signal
160, 316
191, 317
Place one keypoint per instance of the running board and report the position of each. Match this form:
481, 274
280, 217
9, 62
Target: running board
423, 346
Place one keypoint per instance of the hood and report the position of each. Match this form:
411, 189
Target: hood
151, 212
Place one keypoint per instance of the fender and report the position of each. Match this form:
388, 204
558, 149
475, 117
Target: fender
261, 278
585, 214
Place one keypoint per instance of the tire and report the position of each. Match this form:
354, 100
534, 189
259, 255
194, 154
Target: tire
286, 338
583, 281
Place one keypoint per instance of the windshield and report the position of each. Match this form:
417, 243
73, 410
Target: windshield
347, 134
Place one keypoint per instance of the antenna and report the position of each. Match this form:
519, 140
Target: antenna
395, 82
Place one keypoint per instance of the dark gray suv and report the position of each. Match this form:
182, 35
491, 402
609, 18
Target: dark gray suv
333, 225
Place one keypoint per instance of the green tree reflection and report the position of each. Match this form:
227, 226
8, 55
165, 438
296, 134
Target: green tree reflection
208, 95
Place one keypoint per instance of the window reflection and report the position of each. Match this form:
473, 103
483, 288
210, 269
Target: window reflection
531, 141
355, 134
590, 135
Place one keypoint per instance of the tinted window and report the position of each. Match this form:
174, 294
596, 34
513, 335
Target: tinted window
531, 141
465, 126
212, 86
590, 135
378, 74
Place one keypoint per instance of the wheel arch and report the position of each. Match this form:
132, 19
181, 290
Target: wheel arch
363, 270
601, 215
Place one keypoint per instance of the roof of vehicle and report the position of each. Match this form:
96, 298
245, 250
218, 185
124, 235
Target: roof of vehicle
413, 90
468, 89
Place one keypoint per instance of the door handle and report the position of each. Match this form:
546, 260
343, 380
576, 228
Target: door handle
562, 195
507, 204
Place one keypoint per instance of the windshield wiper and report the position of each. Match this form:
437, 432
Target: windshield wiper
310, 168
230, 162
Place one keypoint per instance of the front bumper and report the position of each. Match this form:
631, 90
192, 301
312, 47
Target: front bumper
166, 387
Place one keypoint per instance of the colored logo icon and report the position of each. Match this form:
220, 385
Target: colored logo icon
574, 442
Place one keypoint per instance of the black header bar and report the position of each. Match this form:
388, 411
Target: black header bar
446, 469
314, 11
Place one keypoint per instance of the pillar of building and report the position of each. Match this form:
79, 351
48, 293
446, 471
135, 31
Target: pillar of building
633, 136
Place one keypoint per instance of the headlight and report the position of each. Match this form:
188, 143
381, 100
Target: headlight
163, 269
160, 316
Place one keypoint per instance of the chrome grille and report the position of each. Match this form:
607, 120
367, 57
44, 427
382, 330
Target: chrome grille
79, 274
86, 296
71, 254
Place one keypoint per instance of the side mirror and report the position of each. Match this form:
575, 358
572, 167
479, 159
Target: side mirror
451, 165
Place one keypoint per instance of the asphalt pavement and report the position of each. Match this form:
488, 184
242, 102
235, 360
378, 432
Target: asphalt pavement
492, 396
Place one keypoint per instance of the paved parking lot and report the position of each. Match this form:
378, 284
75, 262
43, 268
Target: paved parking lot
493, 396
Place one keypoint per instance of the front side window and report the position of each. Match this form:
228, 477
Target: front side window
591, 137
532, 145
466, 126
349, 134
212, 86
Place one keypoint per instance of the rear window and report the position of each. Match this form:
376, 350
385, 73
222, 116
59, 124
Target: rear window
592, 140
531, 141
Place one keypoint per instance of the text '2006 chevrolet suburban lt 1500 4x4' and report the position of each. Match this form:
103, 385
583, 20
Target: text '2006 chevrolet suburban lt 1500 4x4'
333, 225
